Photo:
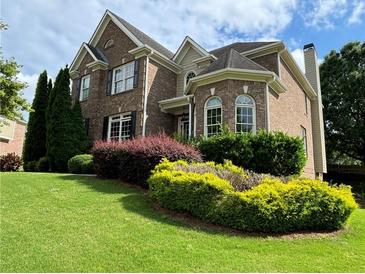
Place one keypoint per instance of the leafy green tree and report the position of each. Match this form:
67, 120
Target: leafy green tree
343, 92
62, 140
11, 101
35, 138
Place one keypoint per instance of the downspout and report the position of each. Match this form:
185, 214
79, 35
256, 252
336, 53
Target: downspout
190, 116
267, 105
145, 96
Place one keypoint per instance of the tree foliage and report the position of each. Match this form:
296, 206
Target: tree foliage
343, 91
11, 101
35, 138
63, 140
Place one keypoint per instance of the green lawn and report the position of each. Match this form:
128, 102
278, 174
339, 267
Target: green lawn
66, 223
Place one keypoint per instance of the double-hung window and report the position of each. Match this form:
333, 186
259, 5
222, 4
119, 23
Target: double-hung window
303, 133
85, 86
119, 127
123, 78
245, 114
213, 116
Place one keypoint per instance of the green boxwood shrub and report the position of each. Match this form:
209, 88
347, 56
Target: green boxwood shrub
43, 164
272, 206
264, 152
31, 166
81, 164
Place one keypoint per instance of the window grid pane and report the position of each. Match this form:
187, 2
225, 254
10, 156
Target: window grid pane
244, 119
120, 127
123, 78
214, 120
114, 131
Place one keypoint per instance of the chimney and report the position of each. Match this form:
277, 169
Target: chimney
312, 74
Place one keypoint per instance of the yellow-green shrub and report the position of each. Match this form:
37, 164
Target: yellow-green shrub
272, 206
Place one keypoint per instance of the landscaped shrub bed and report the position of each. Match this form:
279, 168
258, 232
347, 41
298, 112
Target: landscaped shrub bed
81, 164
264, 152
133, 160
272, 206
10, 162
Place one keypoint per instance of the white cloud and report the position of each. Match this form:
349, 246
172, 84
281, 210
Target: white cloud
357, 12
299, 58
323, 13
29, 91
47, 34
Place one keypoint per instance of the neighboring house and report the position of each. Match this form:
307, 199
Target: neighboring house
130, 85
12, 134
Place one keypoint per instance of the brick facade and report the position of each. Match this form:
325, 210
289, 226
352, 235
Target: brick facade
15, 144
288, 114
228, 90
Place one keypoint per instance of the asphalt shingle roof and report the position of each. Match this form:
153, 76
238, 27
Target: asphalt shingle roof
232, 59
145, 39
98, 53
240, 47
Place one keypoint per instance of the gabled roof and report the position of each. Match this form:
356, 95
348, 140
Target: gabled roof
144, 38
191, 43
240, 47
98, 53
232, 59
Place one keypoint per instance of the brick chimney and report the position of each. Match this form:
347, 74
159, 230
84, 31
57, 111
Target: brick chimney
312, 74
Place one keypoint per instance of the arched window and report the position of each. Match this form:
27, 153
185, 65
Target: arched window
213, 116
188, 76
108, 43
245, 114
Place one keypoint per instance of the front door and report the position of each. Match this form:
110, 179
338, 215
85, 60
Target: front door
183, 127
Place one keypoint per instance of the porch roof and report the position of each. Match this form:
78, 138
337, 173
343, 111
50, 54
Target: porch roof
175, 105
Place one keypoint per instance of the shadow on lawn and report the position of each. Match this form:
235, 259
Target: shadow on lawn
136, 200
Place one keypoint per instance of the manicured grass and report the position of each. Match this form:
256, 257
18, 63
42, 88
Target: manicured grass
67, 223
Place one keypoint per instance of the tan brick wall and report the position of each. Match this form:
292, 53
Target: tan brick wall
99, 105
16, 143
269, 61
228, 90
161, 86
287, 113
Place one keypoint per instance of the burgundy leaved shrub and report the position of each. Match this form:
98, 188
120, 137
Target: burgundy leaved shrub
10, 162
133, 160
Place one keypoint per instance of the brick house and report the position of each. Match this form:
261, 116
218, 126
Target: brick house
130, 85
12, 134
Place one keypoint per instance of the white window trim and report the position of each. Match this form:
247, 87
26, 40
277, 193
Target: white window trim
123, 78
248, 106
186, 75
123, 117
206, 112
82, 87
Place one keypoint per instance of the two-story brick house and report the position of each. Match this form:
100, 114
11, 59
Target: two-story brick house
130, 85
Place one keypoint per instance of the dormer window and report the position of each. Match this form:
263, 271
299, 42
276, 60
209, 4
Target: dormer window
189, 75
109, 43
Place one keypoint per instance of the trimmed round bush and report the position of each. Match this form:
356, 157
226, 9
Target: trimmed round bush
10, 162
43, 164
264, 152
31, 166
272, 206
133, 160
81, 164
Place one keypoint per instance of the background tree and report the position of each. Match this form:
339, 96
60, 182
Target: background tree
62, 140
81, 139
11, 101
35, 137
343, 91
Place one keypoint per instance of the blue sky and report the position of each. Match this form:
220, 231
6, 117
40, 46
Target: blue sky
46, 34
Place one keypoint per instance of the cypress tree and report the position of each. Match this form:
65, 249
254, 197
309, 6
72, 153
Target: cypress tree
81, 139
35, 137
64, 137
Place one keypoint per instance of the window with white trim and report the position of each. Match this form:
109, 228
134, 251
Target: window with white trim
85, 87
303, 133
123, 78
188, 76
213, 116
245, 114
119, 127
